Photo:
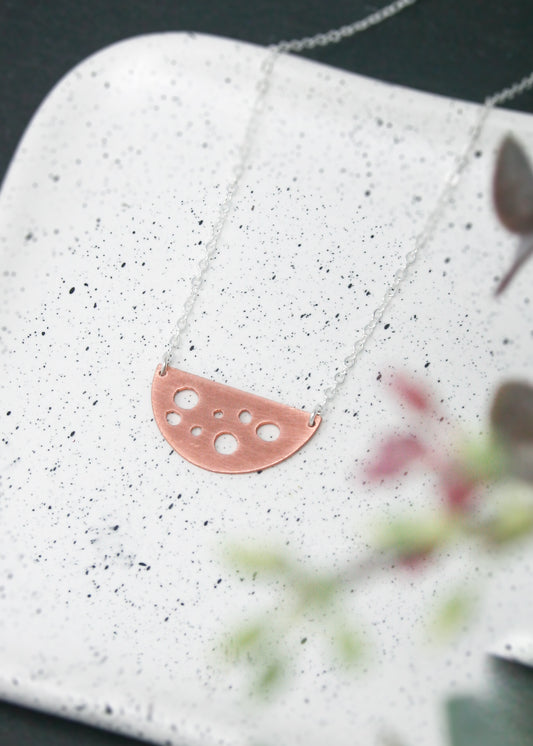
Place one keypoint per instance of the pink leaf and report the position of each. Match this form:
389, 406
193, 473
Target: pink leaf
416, 560
458, 486
394, 455
413, 394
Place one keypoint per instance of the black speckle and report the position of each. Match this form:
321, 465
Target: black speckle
123, 264
108, 710
72, 290
8, 412
426, 365
303, 640
115, 528
72, 434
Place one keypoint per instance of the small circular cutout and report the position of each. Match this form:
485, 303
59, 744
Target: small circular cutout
226, 444
173, 418
268, 432
196, 430
245, 416
186, 398
218, 413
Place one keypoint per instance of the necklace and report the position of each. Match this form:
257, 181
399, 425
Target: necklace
195, 414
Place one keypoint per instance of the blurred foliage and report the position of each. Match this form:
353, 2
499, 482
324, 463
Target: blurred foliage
305, 611
484, 499
452, 612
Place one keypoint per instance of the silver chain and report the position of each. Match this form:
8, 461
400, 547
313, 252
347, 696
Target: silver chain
422, 239
261, 90
338, 34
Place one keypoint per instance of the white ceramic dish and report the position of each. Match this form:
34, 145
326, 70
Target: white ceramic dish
113, 589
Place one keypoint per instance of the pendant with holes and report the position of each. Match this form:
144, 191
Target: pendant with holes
222, 429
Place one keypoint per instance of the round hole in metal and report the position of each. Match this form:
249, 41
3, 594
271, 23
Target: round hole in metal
226, 444
186, 398
245, 416
218, 413
268, 431
196, 430
252, 453
173, 418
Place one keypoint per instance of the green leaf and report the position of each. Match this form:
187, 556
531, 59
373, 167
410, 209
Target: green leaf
416, 536
484, 459
510, 521
315, 591
247, 637
270, 677
452, 612
258, 559
348, 644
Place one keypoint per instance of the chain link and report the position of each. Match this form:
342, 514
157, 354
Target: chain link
211, 246
336, 35
261, 90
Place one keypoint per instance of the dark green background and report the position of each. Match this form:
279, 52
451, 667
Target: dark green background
461, 48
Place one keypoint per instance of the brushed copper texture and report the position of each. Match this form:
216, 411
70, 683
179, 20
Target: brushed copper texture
221, 409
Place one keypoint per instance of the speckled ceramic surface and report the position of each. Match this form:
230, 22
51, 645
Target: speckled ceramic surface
113, 590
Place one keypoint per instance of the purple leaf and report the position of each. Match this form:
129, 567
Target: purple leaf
513, 187
523, 252
511, 414
512, 420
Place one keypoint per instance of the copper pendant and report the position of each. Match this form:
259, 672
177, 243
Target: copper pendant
192, 428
